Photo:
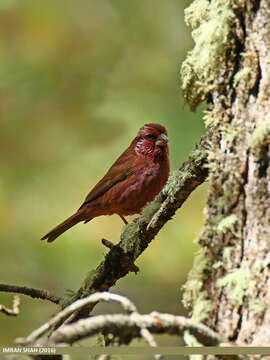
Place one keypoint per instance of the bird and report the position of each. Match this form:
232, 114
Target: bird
133, 180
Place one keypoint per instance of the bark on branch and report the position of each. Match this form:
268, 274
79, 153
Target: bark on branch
34, 293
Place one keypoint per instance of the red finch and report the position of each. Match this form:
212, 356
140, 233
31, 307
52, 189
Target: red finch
135, 178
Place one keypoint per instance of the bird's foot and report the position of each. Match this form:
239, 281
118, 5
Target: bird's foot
134, 268
122, 217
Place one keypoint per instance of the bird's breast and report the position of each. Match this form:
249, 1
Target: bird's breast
139, 189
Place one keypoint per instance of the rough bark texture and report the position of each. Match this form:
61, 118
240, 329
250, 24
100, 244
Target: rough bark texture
229, 285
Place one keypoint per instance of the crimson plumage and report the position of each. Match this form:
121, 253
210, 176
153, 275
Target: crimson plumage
134, 179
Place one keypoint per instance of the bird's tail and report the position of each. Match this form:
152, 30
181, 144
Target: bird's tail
64, 226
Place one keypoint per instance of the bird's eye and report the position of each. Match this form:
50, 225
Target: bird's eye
152, 137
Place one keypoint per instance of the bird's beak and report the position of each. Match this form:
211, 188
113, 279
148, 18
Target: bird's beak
162, 140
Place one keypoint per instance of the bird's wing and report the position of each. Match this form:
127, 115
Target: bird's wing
119, 171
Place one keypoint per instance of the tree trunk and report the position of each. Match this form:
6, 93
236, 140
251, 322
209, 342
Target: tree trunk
229, 285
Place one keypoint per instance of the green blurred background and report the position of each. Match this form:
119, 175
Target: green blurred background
77, 81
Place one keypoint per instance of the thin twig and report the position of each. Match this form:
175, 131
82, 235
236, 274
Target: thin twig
94, 298
149, 338
15, 307
34, 293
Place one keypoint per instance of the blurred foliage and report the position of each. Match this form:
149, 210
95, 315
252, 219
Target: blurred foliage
77, 80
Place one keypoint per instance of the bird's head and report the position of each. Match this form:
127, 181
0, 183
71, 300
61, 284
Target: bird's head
152, 141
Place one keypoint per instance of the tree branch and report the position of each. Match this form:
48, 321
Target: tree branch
128, 326
94, 298
124, 327
34, 293
15, 307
